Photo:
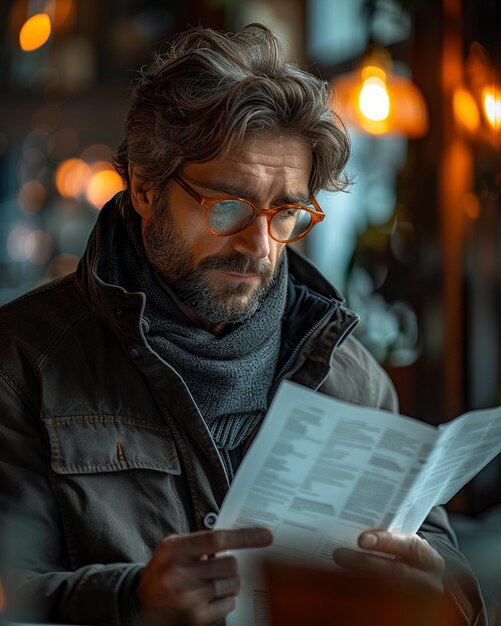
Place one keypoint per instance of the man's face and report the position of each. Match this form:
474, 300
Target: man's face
225, 279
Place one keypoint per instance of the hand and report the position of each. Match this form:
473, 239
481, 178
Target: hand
182, 585
414, 559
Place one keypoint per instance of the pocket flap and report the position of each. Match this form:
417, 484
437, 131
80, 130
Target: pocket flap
90, 444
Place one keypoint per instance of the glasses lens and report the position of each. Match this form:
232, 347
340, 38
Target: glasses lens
229, 216
289, 223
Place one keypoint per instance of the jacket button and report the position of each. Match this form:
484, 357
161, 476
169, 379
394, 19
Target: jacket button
134, 353
118, 313
210, 520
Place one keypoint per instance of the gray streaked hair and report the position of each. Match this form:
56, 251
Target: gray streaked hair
209, 90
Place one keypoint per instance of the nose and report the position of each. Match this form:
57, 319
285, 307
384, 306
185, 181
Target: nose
254, 240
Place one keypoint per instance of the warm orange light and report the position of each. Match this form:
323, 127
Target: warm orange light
465, 109
373, 100
471, 206
72, 176
491, 98
61, 11
2, 598
35, 32
102, 186
378, 101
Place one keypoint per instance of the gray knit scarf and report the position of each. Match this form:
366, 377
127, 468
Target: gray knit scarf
229, 376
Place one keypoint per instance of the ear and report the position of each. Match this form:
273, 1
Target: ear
141, 193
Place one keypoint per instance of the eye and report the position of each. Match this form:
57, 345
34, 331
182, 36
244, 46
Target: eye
227, 208
288, 214
227, 216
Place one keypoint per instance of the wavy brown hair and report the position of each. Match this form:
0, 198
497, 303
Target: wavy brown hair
209, 90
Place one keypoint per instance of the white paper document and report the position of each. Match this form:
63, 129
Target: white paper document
321, 471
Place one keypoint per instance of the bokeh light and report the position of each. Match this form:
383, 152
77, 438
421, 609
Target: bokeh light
465, 109
35, 32
16, 243
103, 184
38, 247
492, 105
72, 176
31, 196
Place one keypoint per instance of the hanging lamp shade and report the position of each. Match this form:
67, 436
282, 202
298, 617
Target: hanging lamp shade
375, 100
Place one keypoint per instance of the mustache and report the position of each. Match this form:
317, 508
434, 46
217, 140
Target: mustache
238, 263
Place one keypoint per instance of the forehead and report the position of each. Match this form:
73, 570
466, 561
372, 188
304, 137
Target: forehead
262, 166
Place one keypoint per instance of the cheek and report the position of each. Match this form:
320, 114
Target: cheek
208, 245
276, 251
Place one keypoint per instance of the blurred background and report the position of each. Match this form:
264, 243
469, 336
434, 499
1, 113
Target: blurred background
414, 244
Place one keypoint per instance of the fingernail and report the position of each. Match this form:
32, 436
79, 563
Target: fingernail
369, 540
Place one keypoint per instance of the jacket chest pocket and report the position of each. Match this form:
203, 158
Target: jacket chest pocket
119, 486
110, 444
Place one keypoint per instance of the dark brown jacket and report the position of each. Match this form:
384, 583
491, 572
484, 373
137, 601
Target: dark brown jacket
103, 451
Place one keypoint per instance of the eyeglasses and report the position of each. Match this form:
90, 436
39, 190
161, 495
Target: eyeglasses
228, 215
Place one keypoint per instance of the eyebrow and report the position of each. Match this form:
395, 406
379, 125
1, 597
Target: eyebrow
242, 192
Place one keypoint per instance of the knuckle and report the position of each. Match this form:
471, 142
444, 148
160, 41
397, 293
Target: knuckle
174, 538
216, 540
421, 549
427, 555
169, 545
418, 547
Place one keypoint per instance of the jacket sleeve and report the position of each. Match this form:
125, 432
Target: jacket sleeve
460, 582
39, 583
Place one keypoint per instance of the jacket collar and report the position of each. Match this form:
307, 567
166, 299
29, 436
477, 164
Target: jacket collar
309, 275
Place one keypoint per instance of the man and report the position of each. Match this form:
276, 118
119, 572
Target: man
132, 389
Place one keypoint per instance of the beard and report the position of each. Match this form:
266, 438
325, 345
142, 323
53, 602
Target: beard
193, 284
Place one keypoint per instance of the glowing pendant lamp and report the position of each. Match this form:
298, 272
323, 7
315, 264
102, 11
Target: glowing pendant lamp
374, 99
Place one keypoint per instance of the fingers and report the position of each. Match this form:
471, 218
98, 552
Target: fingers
410, 548
412, 558
195, 545
181, 585
224, 587
213, 569
205, 592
